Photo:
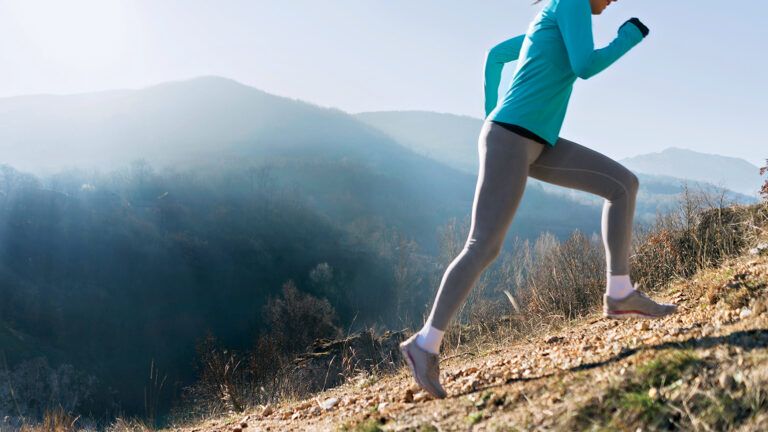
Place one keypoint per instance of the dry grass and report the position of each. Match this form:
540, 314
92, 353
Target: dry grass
58, 420
55, 420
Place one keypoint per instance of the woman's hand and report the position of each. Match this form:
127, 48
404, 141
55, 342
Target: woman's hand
640, 26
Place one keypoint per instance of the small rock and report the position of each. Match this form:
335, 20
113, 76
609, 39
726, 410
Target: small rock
553, 339
738, 377
381, 406
244, 425
329, 403
653, 393
420, 397
315, 410
296, 415
237, 429
745, 312
267, 410
760, 249
642, 325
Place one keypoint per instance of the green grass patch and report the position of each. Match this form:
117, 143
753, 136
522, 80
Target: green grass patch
475, 417
642, 406
722, 410
629, 405
665, 369
372, 424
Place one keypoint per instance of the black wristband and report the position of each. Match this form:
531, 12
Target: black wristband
640, 26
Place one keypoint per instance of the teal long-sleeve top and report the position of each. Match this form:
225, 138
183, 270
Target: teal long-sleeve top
557, 48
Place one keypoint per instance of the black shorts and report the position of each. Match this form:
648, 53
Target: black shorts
522, 131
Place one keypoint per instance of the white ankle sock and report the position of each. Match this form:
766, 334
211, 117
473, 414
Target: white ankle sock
429, 338
618, 286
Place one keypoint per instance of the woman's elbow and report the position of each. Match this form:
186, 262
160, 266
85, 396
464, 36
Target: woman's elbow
584, 72
490, 56
582, 68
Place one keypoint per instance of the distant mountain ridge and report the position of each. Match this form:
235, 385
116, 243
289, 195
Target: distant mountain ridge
452, 140
732, 173
348, 169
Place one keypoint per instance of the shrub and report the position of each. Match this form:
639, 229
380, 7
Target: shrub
296, 319
703, 232
231, 380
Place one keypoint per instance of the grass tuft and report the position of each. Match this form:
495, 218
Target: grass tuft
371, 424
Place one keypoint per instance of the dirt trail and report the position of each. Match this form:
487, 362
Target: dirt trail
597, 372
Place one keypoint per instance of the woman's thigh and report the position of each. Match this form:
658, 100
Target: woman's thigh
574, 166
505, 158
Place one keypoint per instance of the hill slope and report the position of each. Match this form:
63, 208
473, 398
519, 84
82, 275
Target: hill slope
708, 365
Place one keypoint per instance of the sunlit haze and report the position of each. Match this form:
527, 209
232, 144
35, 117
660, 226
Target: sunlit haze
695, 82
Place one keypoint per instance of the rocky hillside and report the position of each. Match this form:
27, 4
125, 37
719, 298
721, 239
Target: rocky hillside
704, 369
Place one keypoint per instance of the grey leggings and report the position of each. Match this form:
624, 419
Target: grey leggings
506, 161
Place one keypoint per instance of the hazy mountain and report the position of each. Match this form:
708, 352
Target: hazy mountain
349, 170
452, 140
732, 173
447, 138
171, 121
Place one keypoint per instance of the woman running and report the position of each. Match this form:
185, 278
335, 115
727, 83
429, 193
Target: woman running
519, 139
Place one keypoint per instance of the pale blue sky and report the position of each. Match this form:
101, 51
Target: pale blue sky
697, 82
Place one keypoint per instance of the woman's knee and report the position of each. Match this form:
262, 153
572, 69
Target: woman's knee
484, 251
633, 183
627, 184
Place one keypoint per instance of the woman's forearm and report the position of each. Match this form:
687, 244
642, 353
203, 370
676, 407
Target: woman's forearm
575, 22
495, 58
